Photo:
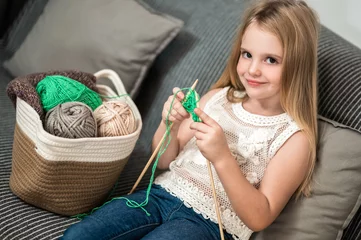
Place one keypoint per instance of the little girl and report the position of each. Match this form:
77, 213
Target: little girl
258, 130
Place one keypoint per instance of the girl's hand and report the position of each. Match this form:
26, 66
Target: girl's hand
177, 113
211, 140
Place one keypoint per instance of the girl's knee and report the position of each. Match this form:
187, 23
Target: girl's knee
86, 229
72, 232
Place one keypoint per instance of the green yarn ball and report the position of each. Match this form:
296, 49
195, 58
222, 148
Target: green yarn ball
56, 89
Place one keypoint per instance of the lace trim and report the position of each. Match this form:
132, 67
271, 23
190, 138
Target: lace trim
253, 119
186, 191
253, 141
259, 120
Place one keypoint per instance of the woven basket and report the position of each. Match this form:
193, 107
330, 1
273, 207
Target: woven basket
68, 176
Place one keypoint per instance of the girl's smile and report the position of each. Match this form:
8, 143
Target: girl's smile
254, 83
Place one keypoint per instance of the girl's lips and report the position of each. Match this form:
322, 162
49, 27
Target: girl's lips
254, 83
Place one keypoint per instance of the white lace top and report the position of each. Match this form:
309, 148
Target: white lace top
253, 140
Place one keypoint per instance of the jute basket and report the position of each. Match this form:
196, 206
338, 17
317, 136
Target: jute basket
68, 176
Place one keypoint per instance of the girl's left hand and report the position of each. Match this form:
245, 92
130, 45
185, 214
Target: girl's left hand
211, 140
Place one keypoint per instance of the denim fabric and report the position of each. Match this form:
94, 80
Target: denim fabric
169, 219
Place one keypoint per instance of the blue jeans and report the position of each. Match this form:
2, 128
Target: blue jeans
169, 219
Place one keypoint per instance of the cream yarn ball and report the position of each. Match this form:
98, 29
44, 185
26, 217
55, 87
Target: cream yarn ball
114, 118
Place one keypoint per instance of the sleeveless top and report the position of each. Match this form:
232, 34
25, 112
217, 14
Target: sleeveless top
253, 140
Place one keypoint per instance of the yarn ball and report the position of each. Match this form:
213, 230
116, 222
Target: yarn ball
56, 89
71, 120
24, 87
114, 118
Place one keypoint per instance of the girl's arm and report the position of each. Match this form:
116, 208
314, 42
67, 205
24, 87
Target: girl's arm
285, 172
180, 132
257, 208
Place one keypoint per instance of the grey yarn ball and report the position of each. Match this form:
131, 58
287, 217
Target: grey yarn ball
71, 120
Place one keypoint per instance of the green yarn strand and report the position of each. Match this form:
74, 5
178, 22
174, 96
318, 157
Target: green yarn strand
56, 89
189, 103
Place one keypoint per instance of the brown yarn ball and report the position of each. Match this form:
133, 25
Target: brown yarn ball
71, 120
114, 118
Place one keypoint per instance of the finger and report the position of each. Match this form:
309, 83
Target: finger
166, 108
169, 118
204, 117
199, 136
199, 127
180, 94
173, 119
176, 115
180, 109
166, 114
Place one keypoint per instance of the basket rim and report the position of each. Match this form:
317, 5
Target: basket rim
54, 138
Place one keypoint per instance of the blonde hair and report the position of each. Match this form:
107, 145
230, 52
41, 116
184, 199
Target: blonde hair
296, 25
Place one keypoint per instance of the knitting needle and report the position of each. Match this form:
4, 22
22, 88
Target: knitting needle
158, 147
214, 192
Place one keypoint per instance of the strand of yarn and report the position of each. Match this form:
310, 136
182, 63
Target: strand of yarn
114, 118
189, 103
56, 89
71, 120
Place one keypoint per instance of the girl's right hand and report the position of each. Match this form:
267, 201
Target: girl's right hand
177, 112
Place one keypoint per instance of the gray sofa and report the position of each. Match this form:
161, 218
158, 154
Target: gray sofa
199, 50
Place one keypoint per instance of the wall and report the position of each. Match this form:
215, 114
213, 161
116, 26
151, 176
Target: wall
341, 16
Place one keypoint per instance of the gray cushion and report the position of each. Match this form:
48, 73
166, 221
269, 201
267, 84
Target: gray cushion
200, 51
339, 80
336, 191
91, 35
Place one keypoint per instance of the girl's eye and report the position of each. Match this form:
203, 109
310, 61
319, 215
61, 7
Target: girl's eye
271, 60
246, 55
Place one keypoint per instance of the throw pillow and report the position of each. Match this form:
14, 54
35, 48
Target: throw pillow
125, 36
336, 191
339, 81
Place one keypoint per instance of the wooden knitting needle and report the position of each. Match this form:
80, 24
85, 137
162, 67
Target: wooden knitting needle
215, 200
158, 147
214, 192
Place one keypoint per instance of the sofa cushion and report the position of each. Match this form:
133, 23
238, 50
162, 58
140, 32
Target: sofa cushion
336, 191
125, 36
201, 50
339, 80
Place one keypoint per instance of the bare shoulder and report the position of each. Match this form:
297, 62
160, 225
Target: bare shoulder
286, 171
207, 96
298, 142
292, 159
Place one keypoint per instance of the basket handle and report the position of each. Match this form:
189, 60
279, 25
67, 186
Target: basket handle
114, 78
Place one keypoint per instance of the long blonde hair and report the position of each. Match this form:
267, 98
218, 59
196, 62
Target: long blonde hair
296, 25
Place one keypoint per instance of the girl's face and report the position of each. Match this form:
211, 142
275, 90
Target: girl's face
260, 64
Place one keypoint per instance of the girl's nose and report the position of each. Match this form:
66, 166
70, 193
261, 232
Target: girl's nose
254, 69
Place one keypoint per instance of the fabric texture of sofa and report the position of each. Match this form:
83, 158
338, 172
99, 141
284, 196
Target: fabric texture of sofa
193, 44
